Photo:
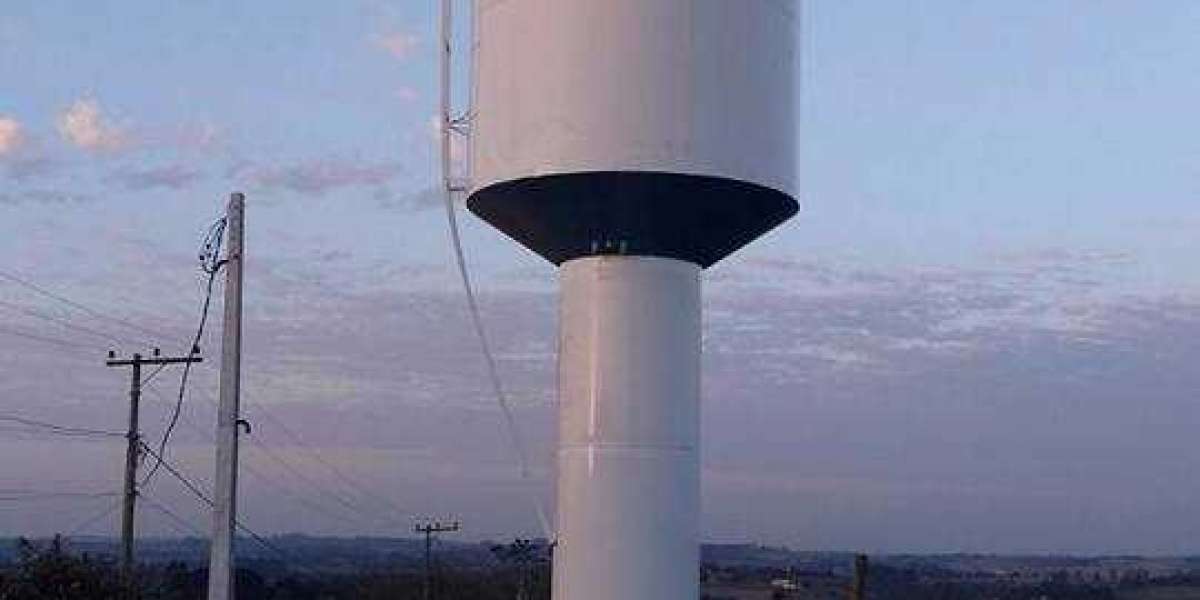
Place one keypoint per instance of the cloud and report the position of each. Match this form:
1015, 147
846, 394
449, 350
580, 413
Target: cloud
174, 177
85, 126
411, 202
400, 45
189, 136
21, 168
407, 93
40, 196
317, 177
835, 401
12, 136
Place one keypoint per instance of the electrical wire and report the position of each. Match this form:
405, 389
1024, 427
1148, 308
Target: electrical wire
261, 446
88, 522
63, 322
269, 453
183, 523
49, 340
448, 126
78, 306
210, 263
147, 379
304, 499
206, 499
362, 489
61, 429
40, 496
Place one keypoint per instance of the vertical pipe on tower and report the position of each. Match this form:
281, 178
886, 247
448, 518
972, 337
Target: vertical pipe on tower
629, 418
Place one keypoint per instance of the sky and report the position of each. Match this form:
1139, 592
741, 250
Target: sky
978, 334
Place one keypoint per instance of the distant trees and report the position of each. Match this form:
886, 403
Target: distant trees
520, 570
50, 572
527, 563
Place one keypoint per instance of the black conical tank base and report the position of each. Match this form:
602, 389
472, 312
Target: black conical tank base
697, 218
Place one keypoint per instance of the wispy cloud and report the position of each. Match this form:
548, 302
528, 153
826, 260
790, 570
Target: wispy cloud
317, 177
85, 126
12, 136
408, 93
174, 177
409, 202
189, 136
401, 45
24, 167
942, 422
42, 197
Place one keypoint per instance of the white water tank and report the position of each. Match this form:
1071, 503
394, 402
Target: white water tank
634, 143
663, 127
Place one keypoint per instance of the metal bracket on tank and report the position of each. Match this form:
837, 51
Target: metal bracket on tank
616, 247
461, 124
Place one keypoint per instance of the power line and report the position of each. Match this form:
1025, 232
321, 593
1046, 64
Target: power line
63, 322
88, 522
76, 305
206, 499
312, 451
39, 496
63, 429
147, 379
50, 340
362, 489
210, 263
187, 526
302, 477
262, 446
300, 497
28, 493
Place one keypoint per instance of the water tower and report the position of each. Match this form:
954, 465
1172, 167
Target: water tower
633, 143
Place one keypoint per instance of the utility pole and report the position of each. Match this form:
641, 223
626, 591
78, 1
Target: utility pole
858, 590
429, 529
134, 440
220, 564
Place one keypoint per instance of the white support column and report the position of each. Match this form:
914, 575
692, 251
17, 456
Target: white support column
629, 420
220, 563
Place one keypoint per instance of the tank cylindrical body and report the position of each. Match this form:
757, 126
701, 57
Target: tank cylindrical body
629, 396
661, 127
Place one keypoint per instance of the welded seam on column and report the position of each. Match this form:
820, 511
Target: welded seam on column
593, 446
594, 366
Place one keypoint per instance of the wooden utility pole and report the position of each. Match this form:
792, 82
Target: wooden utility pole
220, 564
859, 589
134, 441
429, 529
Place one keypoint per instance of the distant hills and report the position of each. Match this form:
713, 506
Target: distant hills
369, 554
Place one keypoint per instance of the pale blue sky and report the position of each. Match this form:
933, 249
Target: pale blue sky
1001, 209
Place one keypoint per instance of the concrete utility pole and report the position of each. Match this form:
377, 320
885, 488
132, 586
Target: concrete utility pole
429, 529
134, 440
220, 563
